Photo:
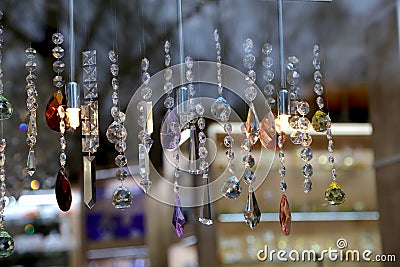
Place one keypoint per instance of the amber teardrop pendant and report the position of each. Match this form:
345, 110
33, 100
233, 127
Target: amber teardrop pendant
52, 117
285, 217
63, 191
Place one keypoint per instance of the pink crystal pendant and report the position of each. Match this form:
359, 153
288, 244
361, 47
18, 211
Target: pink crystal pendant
178, 219
63, 191
285, 217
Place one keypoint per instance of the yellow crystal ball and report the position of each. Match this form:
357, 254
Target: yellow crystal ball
320, 121
335, 195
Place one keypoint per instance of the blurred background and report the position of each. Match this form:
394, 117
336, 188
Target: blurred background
360, 60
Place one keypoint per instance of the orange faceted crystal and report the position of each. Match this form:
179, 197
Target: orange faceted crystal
268, 134
285, 217
52, 117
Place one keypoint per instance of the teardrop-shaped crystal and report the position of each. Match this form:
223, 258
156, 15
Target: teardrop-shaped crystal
146, 184
231, 188
6, 109
122, 198
268, 133
335, 195
320, 121
252, 213
52, 117
285, 217
6, 244
31, 163
178, 219
170, 134
220, 109
63, 191
252, 126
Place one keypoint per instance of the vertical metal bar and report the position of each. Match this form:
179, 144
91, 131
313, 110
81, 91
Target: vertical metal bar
71, 40
181, 44
281, 44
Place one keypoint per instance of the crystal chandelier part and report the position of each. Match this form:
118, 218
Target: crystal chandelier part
63, 191
252, 213
170, 133
220, 109
178, 218
285, 217
334, 194
231, 188
52, 117
89, 181
252, 126
6, 244
6, 109
268, 134
320, 121
122, 198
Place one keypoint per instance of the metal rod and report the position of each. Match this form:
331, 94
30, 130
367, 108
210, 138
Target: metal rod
71, 40
281, 45
181, 44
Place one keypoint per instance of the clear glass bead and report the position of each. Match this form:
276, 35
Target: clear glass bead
283, 185
282, 170
270, 101
145, 77
269, 89
307, 170
58, 81
202, 137
145, 64
303, 123
268, 62
231, 188
228, 141
266, 49
204, 165
316, 50
251, 77
230, 155
203, 152
292, 63
317, 76
303, 108
120, 160
201, 123
248, 45
120, 146
115, 83
307, 185
319, 89
57, 38
248, 161
58, 66
169, 102
306, 154
269, 75
63, 159
189, 62
306, 139
113, 56
228, 128
249, 177
146, 93
167, 60
114, 69
295, 92
320, 102
246, 145
58, 52
250, 93
168, 74
30, 53
293, 77
317, 63
167, 46
249, 60
199, 109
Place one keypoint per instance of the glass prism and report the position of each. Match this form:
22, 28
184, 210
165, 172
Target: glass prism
31, 163
89, 181
205, 216
170, 134
252, 125
285, 217
178, 219
252, 213
268, 134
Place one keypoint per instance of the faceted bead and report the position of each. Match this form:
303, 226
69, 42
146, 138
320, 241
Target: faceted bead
30, 66
295, 137
251, 77
249, 177
252, 126
285, 217
145, 184
203, 152
120, 160
120, 146
63, 191
189, 75
201, 123
248, 161
246, 145
167, 46
231, 188
269, 75
303, 108
216, 35
230, 155
178, 219
189, 62
283, 185
320, 121
145, 64
317, 76
248, 45
199, 109
228, 128
293, 77
57, 38
228, 141
146, 93
307, 185
30, 53
268, 133
250, 93
114, 69
6, 243
334, 195
294, 121
121, 174
113, 56
52, 117
295, 92
116, 132
252, 213
249, 60
306, 154
306, 139
307, 170
320, 102
169, 136
316, 50
266, 49
167, 60
58, 52
293, 63
303, 123
122, 198
204, 165
168, 74
6, 109
316, 63
318, 89
58, 81
269, 89
58, 66
268, 62
220, 109
115, 83
169, 102
202, 137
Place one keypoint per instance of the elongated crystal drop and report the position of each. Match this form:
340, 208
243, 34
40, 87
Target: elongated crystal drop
6, 108
31, 163
52, 117
63, 191
89, 181
178, 219
335, 195
193, 147
268, 133
205, 210
122, 198
252, 126
285, 217
144, 167
252, 213
6, 244
170, 134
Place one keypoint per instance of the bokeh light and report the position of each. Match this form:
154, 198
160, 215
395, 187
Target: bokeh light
29, 229
23, 127
35, 185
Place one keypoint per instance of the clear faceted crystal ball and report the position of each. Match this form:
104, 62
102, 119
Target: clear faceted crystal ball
231, 188
249, 177
30, 53
248, 45
122, 198
6, 244
220, 108
57, 38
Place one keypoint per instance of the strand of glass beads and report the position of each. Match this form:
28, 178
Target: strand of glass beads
117, 134
31, 105
6, 240
293, 78
269, 75
145, 120
252, 213
334, 194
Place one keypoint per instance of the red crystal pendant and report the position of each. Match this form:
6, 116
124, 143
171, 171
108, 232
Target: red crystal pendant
52, 118
63, 191
285, 218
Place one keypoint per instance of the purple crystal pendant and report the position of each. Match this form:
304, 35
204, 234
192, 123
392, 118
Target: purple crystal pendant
178, 219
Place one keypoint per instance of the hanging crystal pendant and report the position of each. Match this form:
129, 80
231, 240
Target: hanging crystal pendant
231, 188
6, 243
6, 108
268, 133
320, 121
193, 147
89, 181
252, 213
285, 217
335, 195
178, 219
252, 126
122, 198
205, 209
52, 118
63, 191
170, 134
220, 109
31, 163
